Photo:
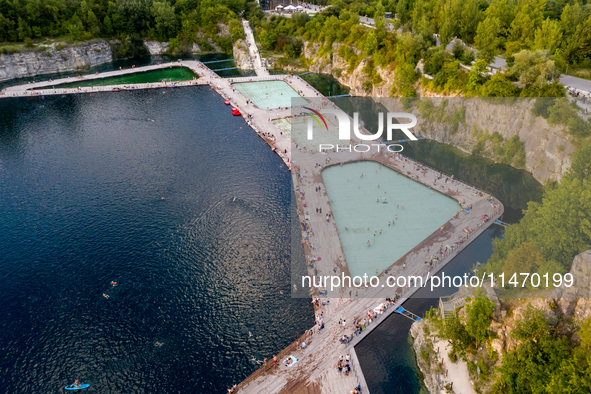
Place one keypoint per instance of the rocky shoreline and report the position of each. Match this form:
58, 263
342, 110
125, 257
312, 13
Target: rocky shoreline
54, 59
548, 149
60, 58
443, 371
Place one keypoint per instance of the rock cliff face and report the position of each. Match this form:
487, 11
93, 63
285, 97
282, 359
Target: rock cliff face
430, 378
52, 60
332, 63
564, 304
159, 48
241, 55
548, 149
156, 47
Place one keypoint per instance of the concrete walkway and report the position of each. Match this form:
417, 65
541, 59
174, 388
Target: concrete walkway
254, 51
316, 369
317, 365
108, 74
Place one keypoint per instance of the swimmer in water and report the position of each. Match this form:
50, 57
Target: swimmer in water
114, 284
106, 296
280, 291
158, 344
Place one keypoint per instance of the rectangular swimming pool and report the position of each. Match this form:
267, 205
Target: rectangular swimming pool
270, 94
365, 197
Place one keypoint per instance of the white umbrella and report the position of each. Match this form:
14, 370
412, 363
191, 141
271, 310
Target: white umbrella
290, 7
279, 6
299, 7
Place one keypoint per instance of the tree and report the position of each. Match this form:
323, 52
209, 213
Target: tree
371, 43
268, 39
528, 19
571, 17
563, 222
455, 332
480, 314
76, 28
404, 80
475, 77
435, 59
499, 86
458, 50
504, 11
525, 258
93, 23
448, 75
548, 36
581, 166
165, 19
531, 367
108, 26
236, 30
585, 334
300, 19
534, 68
486, 40
23, 29
469, 20
578, 48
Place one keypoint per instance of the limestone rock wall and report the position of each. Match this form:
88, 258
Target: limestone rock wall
571, 302
52, 60
430, 378
549, 149
332, 63
241, 55
156, 47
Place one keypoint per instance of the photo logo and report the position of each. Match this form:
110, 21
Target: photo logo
345, 124
317, 121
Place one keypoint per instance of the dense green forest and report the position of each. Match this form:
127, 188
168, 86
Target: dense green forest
538, 38
553, 355
181, 22
553, 232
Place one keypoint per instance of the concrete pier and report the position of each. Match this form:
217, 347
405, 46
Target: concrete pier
254, 51
315, 371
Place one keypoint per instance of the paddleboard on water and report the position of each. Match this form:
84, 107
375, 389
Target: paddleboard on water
79, 387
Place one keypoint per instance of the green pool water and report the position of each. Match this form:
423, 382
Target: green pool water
271, 94
167, 74
420, 212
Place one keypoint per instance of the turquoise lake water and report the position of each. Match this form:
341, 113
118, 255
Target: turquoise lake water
358, 204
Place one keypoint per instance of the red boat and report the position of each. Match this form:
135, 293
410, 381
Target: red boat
235, 111
227, 102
